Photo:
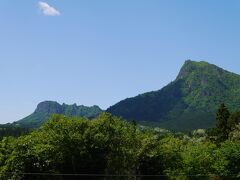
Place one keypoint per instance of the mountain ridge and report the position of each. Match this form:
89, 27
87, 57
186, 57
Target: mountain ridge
194, 95
189, 102
46, 109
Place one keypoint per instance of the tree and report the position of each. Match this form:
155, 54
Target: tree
203, 158
231, 152
234, 135
222, 123
105, 145
233, 120
149, 155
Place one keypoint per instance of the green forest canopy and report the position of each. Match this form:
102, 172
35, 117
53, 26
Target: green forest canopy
110, 145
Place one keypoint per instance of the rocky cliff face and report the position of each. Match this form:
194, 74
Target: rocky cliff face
47, 108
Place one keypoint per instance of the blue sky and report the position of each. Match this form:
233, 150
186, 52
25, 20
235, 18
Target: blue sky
100, 52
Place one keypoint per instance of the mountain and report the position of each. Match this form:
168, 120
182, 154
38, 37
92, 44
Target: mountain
47, 108
189, 102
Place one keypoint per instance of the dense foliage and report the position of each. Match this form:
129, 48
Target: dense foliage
189, 102
109, 145
12, 130
226, 124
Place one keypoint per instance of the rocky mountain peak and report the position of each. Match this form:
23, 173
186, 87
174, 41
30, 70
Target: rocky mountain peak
49, 107
189, 67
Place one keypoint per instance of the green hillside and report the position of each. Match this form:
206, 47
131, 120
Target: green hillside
187, 103
46, 109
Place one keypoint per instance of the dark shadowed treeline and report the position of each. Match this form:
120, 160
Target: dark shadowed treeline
13, 130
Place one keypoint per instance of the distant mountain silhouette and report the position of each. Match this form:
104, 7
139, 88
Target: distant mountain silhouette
47, 108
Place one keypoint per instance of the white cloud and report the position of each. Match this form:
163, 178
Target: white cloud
48, 10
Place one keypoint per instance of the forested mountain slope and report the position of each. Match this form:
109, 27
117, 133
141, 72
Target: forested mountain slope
189, 102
